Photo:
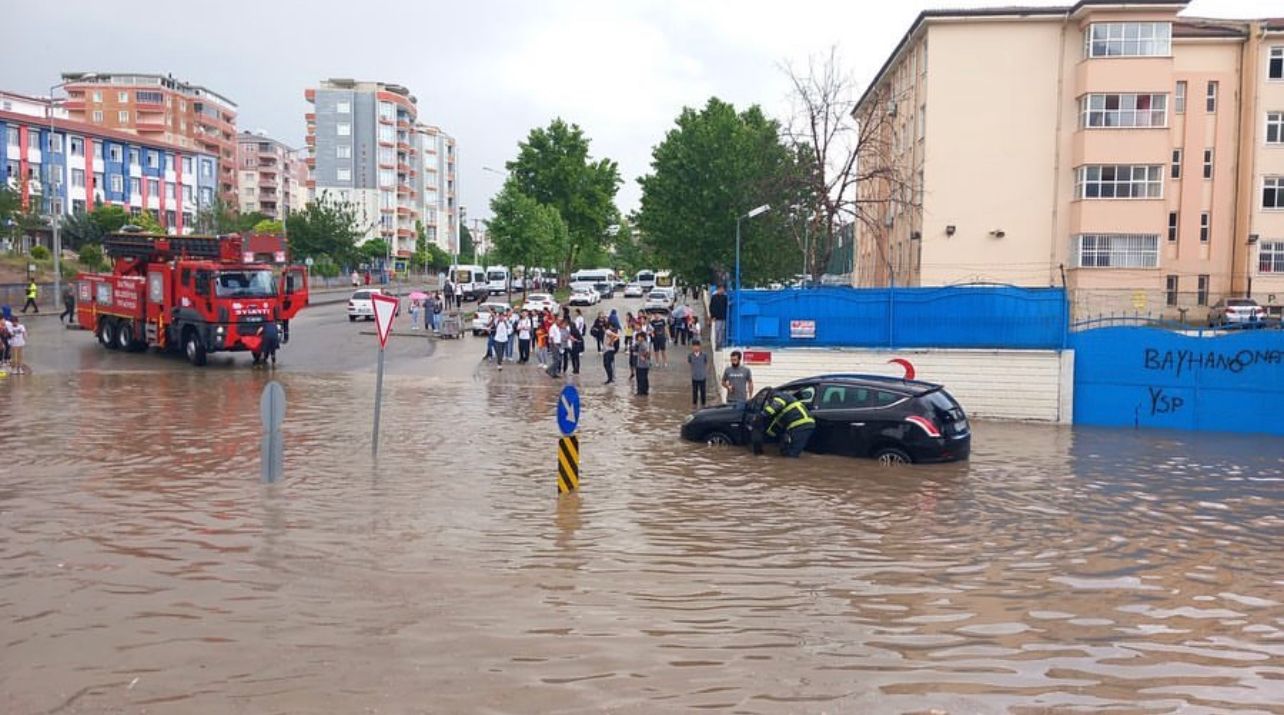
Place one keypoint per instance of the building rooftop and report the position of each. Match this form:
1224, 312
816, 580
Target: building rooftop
145, 79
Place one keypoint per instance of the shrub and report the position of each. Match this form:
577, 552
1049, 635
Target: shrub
40, 253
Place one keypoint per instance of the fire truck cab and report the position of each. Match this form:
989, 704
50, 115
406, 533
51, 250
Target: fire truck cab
197, 294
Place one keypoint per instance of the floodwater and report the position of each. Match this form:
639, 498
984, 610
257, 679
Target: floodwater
147, 568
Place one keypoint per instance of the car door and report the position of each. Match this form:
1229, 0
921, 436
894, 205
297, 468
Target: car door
840, 418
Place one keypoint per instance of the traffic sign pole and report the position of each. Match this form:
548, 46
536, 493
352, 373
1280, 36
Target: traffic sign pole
272, 412
568, 446
385, 309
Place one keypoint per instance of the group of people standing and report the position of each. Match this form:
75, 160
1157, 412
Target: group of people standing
432, 307
13, 339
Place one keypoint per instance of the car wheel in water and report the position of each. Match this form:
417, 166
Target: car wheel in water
352, 318
194, 349
892, 456
717, 438
125, 336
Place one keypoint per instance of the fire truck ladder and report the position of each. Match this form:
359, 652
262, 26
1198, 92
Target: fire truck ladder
152, 246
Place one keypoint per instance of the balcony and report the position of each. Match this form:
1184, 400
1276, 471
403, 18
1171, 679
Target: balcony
147, 105
149, 124
74, 105
403, 168
310, 95
311, 162
311, 140
403, 210
402, 146
386, 120
309, 116
386, 209
403, 189
405, 233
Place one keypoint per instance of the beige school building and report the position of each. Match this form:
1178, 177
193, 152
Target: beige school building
1126, 151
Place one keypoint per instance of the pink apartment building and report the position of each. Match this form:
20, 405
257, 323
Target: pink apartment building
1104, 146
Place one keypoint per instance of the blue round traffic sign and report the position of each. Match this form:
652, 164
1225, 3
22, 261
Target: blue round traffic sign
568, 410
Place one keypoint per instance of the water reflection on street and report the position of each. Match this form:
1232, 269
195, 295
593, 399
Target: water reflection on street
146, 566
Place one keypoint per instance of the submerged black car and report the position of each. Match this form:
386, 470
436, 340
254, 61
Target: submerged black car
889, 419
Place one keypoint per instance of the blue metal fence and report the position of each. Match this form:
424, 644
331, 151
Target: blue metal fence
950, 317
1148, 377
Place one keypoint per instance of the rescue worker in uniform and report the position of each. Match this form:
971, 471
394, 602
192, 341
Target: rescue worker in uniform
33, 292
784, 416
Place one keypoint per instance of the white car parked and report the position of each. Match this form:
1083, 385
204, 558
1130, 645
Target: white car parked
481, 321
539, 301
361, 305
634, 290
584, 296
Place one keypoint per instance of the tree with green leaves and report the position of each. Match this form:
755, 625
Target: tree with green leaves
376, 249
714, 166
217, 218
554, 168
467, 249
148, 222
524, 232
325, 227
269, 226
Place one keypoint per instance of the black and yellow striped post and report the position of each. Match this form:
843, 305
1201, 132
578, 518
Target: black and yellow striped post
568, 464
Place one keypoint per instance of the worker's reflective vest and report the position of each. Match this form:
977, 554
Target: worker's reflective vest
779, 409
32, 291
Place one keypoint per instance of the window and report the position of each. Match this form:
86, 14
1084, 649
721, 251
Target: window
343, 107
1275, 65
98, 116
1204, 222
1179, 97
343, 151
1270, 257
386, 133
98, 151
187, 194
1208, 163
117, 183
98, 181
1275, 127
1175, 172
135, 187
1117, 250
78, 177
148, 97
1172, 226
343, 174
922, 121
1273, 192
1128, 39
187, 165
386, 155
1210, 99
1123, 110
207, 195
133, 157
386, 111
115, 153
343, 129
153, 160
169, 191
122, 117
1120, 181
55, 143
1170, 285
98, 96
1201, 290
153, 187
386, 177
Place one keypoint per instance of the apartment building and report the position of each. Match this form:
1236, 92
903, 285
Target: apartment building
1263, 202
160, 108
60, 166
363, 150
296, 179
1095, 146
270, 176
441, 208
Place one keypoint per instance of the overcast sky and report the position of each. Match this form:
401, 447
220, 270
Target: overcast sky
485, 71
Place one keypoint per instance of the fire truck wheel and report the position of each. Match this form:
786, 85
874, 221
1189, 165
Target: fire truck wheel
107, 333
125, 336
193, 347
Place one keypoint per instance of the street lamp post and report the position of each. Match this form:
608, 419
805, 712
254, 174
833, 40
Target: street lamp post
736, 304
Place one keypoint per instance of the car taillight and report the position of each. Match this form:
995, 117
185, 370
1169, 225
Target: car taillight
928, 426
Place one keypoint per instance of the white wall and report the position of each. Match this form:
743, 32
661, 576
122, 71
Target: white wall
997, 384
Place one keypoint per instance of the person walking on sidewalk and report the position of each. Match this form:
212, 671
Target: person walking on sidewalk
33, 292
699, 362
68, 305
608, 356
718, 314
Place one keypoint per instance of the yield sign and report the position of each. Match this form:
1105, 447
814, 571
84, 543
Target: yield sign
385, 307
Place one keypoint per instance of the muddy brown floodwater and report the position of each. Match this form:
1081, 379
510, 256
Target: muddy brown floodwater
146, 568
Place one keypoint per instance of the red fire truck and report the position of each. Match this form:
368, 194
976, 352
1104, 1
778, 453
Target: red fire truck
198, 294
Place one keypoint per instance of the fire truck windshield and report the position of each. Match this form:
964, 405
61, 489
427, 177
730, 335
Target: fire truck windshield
245, 284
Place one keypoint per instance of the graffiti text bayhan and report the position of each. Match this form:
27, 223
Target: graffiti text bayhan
1181, 361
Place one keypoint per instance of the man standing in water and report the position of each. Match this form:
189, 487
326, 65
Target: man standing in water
643, 369
737, 380
699, 362
718, 314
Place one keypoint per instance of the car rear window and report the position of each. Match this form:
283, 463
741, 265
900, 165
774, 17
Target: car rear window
941, 401
361, 295
1241, 303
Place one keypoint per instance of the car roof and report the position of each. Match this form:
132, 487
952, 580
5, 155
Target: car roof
914, 387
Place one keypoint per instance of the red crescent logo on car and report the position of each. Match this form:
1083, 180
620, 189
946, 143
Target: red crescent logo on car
909, 367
